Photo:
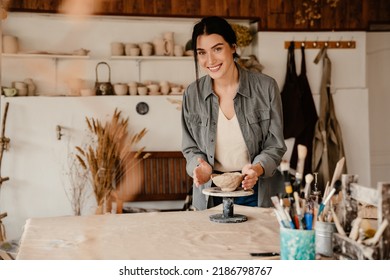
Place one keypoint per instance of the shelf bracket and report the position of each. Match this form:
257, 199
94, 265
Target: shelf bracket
138, 65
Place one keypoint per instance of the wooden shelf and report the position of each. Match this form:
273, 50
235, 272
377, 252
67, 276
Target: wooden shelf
169, 58
32, 55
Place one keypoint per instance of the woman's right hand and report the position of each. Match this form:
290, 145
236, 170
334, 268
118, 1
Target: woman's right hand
202, 173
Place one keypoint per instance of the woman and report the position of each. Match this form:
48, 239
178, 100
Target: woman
231, 118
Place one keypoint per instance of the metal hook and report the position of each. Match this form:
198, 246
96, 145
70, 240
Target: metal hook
315, 43
338, 43
58, 130
349, 44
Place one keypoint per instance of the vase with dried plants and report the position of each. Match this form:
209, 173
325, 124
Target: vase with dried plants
107, 157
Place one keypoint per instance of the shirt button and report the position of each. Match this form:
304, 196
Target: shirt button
212, 140
214, 123
211, 156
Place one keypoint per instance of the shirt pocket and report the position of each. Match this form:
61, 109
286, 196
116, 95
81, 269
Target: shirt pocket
259, 122
198, 126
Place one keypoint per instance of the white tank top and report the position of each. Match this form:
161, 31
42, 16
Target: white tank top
231, 153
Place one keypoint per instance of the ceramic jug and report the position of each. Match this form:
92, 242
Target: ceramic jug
160, 46
168, 38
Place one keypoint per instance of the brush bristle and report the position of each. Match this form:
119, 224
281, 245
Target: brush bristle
309, 178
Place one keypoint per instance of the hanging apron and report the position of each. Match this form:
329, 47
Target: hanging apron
328, 146
309, 118
293, 122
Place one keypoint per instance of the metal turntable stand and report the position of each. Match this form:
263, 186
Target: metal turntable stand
228, 215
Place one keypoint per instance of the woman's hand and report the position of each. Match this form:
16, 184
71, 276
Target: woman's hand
202, 173
252, 173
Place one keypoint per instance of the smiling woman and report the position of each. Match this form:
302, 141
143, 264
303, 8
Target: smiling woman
226, 118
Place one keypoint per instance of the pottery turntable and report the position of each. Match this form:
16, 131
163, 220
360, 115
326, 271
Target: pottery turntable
227, 188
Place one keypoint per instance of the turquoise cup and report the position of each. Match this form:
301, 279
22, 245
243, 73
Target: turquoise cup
297, 244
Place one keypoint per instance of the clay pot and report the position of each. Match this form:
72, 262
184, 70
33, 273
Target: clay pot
227, 182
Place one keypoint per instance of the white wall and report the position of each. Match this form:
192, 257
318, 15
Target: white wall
37, 161
348, 85
378, 70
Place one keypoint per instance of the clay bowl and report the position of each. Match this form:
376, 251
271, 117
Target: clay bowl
227, 182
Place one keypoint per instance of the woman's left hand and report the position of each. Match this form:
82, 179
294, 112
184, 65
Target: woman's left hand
251, 177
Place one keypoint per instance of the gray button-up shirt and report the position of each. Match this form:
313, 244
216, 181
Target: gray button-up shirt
259, 112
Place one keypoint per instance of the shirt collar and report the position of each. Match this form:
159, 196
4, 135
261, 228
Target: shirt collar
243, 86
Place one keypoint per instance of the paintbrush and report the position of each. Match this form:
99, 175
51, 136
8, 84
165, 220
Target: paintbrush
298, 216
285, 168
282, 215
336, 188
302, 152
337, 171
308, 178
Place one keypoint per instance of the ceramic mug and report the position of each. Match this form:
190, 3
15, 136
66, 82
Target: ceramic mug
178, 50
21, 87
117, 48
142, 90
153, 88
128, 47
146, 49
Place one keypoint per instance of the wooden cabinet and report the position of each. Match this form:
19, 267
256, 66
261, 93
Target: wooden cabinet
272, 15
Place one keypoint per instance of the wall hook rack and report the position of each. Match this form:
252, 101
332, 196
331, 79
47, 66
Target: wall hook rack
319, 44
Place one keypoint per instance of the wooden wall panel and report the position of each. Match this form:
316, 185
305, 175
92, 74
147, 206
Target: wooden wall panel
273, 15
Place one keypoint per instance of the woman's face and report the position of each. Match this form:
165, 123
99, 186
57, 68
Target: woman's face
215, 55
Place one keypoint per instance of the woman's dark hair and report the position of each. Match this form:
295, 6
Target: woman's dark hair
208, 26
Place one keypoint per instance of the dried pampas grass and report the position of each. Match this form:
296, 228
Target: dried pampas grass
106, 155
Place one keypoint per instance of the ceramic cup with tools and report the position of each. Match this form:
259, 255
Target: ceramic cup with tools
297, 244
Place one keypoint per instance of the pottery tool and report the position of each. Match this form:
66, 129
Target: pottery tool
308, 179
354, 234
336, 221
265, 254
